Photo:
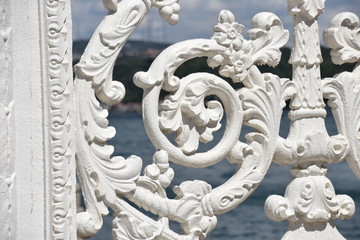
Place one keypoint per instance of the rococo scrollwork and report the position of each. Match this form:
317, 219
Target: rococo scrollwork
112, 181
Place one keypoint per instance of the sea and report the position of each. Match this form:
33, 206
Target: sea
248, 221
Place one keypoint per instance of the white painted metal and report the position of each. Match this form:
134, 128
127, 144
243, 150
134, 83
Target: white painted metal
37, 158
310, 203
37, 164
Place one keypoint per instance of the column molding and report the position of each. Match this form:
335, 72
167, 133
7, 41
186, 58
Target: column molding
37, 113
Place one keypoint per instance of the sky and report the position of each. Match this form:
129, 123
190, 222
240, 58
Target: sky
198, 17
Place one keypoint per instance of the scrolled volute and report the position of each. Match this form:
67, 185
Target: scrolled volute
106, 181
262, 112
101, 176
97, 62
343, 94
343, 37
182, 114
187, 102
310, 198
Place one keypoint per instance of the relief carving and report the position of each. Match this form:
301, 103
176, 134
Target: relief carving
310, 202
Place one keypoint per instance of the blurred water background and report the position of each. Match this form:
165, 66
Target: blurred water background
248, 221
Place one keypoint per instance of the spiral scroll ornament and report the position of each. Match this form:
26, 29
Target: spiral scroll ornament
181, 121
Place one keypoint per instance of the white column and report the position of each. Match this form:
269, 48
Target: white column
36, 80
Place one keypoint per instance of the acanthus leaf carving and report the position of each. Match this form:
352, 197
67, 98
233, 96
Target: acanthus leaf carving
240, 57
262, 111
178, 111
343, 90
127, 227
100, 174
310, 203
343, 37
260, 104
310, 197
161, 75
278, 208
196, 204
94, 76
97, 63
191, 207
344, 98
267, 37
103, 178
185, 114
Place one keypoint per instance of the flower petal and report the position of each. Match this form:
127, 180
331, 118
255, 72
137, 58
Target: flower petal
227, 71
221, 38
215, 61
238, 27
221, 28
242, 75
237, 43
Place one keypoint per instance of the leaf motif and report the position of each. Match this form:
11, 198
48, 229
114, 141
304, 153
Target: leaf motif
268, 36
263, 106
343, 93
240, 56
263, 110
343, 37
185, 114
278, 208
127, 227
98, 61
115, 36
106, 180
102, 177
160, 76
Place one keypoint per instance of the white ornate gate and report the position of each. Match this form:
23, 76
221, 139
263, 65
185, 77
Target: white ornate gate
69, 127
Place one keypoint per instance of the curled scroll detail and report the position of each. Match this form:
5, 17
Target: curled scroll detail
112, 181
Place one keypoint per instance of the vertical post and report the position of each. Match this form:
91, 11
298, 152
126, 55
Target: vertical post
37, 161
306, 59
7, 171
310, 203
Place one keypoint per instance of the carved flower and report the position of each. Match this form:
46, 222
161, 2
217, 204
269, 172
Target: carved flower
237, 67
228, 32
235, 61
